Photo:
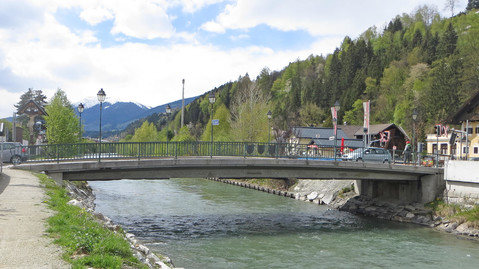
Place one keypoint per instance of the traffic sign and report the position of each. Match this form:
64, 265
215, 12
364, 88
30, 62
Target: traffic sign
215, 122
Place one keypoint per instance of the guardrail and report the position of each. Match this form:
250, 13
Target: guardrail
145, 150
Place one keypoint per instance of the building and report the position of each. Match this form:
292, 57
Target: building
461, 146
315, 141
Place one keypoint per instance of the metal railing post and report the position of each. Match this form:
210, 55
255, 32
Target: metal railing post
139, 149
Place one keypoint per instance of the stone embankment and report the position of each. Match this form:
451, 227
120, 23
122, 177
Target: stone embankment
84, 197
331, 193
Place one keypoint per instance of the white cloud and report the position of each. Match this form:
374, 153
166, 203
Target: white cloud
320, 17
7, 102
192, 6
142, 19
96, 15
214, 27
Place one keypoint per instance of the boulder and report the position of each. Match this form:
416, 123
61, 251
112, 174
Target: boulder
312, 196
75, 202
463, 229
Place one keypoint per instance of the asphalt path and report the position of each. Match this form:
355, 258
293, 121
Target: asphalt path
23, 216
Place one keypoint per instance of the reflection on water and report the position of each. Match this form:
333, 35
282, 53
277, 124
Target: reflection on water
205, 224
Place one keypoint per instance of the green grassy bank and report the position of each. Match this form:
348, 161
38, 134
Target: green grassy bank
86, 243
456, 213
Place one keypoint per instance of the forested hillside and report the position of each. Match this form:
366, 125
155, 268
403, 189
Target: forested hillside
418, 61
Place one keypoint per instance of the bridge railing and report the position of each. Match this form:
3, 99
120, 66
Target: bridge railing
145, 150
142, 150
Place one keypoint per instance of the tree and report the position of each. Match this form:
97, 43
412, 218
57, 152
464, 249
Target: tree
311, 115
448, 42
451, 4
472, 4
146, 133
249, 120
222, 131
184, 135
355, 115
61, 122
30, 94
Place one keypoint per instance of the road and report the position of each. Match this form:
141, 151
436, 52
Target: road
23, 216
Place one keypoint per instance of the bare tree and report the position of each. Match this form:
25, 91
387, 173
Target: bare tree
450, 5
248, 113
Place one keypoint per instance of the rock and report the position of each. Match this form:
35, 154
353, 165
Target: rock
327, 199
450, 227
143, 249
370, 209
312, 196
409, 208
75, 202
410, 215
463, 229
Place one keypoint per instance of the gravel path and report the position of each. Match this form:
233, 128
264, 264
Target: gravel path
23, 243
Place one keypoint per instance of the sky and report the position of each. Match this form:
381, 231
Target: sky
140, 50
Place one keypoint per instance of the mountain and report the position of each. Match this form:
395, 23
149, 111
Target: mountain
117, 116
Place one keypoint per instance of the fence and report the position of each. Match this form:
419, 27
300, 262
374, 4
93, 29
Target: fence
145, 150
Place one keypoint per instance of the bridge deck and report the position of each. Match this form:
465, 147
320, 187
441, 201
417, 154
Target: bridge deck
229, 167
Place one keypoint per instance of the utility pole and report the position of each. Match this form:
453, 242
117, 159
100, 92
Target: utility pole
183, 105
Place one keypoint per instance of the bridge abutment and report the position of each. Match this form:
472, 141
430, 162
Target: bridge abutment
425, 190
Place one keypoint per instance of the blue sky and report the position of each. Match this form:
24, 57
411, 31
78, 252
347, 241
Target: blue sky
141, 50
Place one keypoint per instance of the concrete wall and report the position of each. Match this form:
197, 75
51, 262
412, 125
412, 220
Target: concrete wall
423, 191
403, 191
462, 181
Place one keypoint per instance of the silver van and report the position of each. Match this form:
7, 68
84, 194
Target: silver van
13, 152
368, 154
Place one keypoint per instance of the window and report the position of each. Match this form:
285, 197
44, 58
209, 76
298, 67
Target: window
476, 150
443, 149
454, 149
434, 148
477, 130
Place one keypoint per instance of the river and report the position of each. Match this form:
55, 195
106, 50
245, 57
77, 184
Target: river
206, 224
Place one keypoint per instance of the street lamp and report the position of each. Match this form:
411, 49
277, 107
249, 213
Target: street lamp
414, 118
80, 110
270, 115
212, 100
334, 112
168, 112
101, 98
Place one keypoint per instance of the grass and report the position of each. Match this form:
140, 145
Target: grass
86, 242
456, 213
345, 190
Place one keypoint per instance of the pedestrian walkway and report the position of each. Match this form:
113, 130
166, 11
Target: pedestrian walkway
23, 216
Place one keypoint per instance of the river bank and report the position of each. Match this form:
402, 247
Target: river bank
82, 196
340, 195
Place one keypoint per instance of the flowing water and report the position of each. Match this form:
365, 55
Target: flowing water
207, 224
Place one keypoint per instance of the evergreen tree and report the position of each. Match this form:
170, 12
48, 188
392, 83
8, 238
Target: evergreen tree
448, 42
472, 4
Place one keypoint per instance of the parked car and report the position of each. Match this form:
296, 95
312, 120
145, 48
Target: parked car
13, 152
368, 154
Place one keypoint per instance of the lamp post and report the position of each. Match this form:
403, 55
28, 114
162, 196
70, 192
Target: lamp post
168, 112
80, 110
414, 118
101, 98
270, 115
212, 100
334, 112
